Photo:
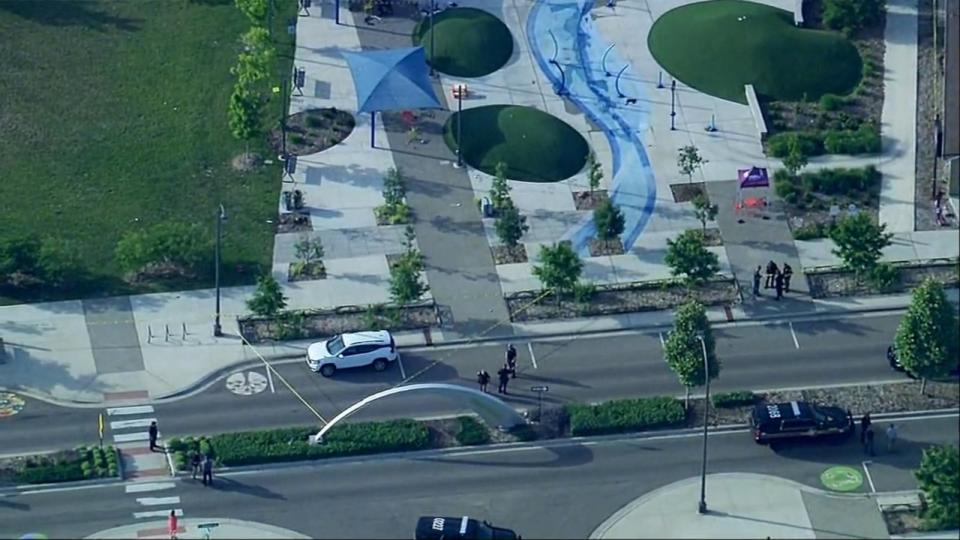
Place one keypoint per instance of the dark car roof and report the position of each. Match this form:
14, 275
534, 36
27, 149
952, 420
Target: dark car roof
782, 411
437, 527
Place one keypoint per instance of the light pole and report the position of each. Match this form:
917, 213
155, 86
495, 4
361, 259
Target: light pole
433, 7
221, 215
460, 90
702, 507
673, 102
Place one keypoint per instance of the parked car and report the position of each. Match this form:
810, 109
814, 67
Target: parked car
895, 363
798, 419
353, 350
451, 528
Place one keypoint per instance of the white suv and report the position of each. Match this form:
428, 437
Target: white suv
357, 349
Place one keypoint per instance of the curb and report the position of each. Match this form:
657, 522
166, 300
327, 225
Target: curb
77, 484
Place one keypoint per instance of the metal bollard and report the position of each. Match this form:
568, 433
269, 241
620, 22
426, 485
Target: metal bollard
166, 332
184, 333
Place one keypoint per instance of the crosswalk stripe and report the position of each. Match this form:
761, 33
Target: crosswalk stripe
131, 437
156, 501
158, 513
148, 486
125, 424
139, 409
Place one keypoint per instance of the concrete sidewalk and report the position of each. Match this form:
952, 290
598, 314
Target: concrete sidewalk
188, 529
742, 505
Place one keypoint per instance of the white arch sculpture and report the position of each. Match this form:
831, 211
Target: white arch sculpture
493, 411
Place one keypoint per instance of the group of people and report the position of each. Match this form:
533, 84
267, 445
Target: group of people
204, 464
867, 435
776, 279
507, 372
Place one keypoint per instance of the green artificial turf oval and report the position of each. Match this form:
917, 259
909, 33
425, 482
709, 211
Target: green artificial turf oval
469, 42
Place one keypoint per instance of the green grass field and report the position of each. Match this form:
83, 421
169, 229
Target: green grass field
536, 146
469, 42
705, 46
113, 117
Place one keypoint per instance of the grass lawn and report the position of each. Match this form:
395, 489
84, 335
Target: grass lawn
535, 146
705, 46
114, 118
469, 42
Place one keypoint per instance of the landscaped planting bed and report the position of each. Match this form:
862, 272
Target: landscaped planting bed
82, 463
307, 324
834, 283
621, 298
625, 415
809, 197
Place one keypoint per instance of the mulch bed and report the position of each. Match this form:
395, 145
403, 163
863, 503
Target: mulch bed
309, 271
294, 222
313, 131
687, 192
326, 323
712, 237
508, 255
585, 200
841, 283
600, 248
621, 298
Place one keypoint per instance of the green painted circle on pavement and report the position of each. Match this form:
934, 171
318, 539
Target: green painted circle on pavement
841, 478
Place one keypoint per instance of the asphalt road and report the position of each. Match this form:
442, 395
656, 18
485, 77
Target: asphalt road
564, 490
801, 354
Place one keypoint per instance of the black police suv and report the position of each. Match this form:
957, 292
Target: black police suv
797, 420
446, 528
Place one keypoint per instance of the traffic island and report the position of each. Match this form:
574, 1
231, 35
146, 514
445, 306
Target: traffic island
79, 464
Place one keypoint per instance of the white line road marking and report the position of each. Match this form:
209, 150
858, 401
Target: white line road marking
533, 357
126, 424
149, 486
270, 380
131, 437
121, 411
866, 470
403, 374
158, 514
794, 334
662, 343
157, 501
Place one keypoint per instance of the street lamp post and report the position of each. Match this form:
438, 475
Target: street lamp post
460, 125
673, 103
702, 507
221, 215
433, 7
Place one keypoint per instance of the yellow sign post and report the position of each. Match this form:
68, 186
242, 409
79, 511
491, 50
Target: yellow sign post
100, 428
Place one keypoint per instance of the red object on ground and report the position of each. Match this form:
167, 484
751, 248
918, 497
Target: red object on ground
172, 527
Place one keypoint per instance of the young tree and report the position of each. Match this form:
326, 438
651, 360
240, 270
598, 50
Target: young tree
609, 220
704, 210
500, 189
594, 172
268, 299
256, 10
687, 256
939, 479
559, 268
184, 245
795, 159
243, 113
683, 350
405, 283
927, 338
860, 242
58, 262
411, 254
689, 160
394, 187
510, 224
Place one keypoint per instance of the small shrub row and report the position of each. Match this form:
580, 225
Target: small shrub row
624, 415
849, 182
471, 432
733, 399
863, 140
80, 464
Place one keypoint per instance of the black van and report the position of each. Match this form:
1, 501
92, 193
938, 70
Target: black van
798, 419
447, 528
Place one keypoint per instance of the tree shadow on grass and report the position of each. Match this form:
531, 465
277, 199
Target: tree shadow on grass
69, 13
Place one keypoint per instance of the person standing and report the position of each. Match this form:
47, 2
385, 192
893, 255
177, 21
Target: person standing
787, 274
483, 378
864, 426
778, 284
891, 436
195, 463
153, 435
172, 525
504, 376
868, 441
772, 272
756, 282
208, 470
512, 360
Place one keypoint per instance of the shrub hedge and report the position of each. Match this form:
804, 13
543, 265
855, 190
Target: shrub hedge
80, 464
863, 140
471, 432
623, 415
841, 181
733, 399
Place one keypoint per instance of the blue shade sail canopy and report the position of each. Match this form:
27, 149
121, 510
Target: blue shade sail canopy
392, 79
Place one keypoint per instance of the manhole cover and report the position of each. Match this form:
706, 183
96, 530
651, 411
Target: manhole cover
841, 478
246, 383
10, 404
